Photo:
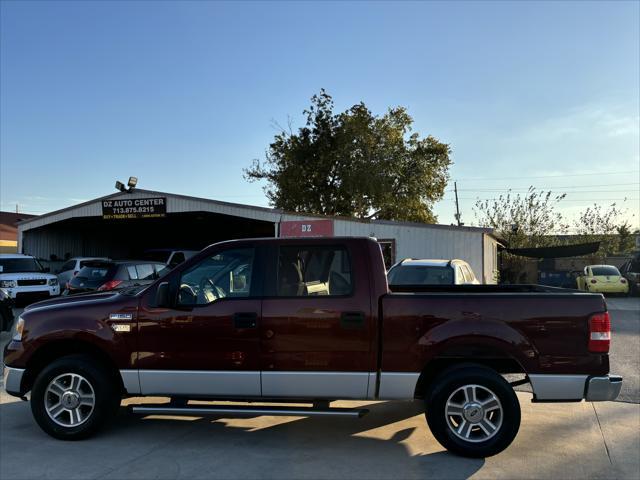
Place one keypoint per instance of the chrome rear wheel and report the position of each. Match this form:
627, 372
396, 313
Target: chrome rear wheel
474, 413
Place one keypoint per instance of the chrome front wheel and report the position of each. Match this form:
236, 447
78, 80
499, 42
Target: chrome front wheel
74, 396
69, 400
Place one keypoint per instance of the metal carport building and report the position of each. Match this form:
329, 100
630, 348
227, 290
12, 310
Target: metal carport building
124, 225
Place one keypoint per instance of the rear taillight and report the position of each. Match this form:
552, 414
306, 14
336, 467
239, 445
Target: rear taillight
110, 285
600, 332
594, 281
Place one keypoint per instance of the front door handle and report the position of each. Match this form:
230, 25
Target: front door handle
352, 320
245, 320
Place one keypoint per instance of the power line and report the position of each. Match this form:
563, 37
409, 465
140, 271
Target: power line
555, 186
589, 200
550, 176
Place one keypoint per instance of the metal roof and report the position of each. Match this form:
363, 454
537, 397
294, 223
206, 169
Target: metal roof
185, 203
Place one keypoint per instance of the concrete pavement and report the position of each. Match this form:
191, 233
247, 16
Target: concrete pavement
578, 440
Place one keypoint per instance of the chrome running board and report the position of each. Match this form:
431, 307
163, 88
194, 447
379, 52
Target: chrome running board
238, 410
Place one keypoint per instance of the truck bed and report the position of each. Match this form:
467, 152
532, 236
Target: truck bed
544, 329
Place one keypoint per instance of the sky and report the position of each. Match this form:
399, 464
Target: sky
184, 95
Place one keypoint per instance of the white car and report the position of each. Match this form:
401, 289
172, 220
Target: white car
71, 267
431, 272
22, 277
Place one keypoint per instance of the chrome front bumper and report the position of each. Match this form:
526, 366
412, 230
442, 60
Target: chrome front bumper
600, 389
12, 378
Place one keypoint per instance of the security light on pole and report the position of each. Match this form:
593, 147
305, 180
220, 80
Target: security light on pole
133, 181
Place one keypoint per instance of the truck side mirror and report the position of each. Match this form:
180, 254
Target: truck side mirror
162, 295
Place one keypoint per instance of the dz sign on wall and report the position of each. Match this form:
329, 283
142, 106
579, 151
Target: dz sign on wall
307, 228
134, 208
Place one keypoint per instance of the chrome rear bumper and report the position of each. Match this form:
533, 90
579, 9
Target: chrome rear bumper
603, 388
573, 388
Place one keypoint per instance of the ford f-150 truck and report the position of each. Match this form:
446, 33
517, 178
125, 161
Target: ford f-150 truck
309, 321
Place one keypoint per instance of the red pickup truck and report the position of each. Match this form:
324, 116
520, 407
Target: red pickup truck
309, 321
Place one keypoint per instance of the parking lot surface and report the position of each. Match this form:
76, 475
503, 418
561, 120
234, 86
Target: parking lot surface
564, 440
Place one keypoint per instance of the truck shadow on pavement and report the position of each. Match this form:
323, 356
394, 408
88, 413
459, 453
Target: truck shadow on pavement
392, 441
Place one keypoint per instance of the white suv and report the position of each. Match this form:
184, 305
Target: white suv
431, 272
23, 278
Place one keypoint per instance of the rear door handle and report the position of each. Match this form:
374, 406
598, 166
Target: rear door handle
352, 320
245, 320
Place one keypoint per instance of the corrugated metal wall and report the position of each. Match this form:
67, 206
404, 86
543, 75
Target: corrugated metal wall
438, 241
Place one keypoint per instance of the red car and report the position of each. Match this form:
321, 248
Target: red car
310, 321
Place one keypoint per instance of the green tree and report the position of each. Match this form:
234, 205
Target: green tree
606, 225
522, 220
356, 164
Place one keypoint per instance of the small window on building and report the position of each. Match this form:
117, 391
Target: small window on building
388, 248
314, 271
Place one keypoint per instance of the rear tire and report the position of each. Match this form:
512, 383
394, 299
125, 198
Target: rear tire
472, 411
73, 397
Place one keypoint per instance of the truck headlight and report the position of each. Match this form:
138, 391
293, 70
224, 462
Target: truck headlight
18, 329
53, 282
8, 284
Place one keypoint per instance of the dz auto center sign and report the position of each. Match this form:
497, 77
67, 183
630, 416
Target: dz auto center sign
307, 228
134, 208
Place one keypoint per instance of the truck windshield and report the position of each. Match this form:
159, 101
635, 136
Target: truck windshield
20, 265
421, 275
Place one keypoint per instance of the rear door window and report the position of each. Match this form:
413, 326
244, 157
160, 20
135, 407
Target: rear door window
314, 271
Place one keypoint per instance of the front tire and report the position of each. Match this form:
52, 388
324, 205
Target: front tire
73, 397
472, 411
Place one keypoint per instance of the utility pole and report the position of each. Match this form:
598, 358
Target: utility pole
17, 208
455, 189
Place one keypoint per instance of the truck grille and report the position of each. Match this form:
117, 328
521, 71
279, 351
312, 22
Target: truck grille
29, 283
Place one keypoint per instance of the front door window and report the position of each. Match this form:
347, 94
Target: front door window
223, 275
